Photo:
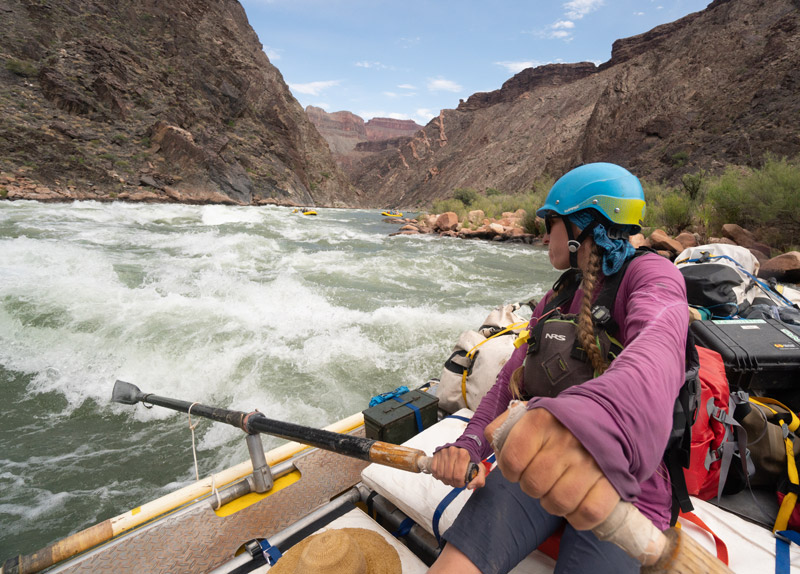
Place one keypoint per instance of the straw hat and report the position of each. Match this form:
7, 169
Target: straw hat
340, 551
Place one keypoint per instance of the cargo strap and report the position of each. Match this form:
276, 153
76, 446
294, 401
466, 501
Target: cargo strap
790, 499
722, 548
404, 528
784, 539
445, 502
728, 446
417, 413
471, 355
271, 553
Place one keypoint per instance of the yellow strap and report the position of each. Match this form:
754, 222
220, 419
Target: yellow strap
790, 498
765, 402
522, 338
471, 354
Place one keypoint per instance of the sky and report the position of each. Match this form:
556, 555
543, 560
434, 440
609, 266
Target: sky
410, 59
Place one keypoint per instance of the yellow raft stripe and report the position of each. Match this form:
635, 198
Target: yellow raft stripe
243, 502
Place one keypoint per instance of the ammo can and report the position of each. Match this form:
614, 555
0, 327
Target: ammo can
393, 421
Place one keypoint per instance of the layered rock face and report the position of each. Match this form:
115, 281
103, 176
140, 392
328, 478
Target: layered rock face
717, 87
176, 98
345, 133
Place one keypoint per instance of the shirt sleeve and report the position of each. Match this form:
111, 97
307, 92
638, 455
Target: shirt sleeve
624, 417
495, 402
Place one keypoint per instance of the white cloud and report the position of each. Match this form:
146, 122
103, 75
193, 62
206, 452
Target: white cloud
396, 116
390, 94
577, 9
560, 35
638, 13
407, 87
442, 85
272, 53
517, 67
424, 115
313, 88
324, 105
563, 25
376, 65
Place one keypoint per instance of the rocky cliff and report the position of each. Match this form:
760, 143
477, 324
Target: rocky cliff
153, 100
344, 131
717, 87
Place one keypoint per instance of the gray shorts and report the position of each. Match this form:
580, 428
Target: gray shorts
500, 525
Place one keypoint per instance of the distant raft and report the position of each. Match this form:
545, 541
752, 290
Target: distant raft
391, 213
304, 211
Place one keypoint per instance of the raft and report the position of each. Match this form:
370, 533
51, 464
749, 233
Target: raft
188, 531
391, 213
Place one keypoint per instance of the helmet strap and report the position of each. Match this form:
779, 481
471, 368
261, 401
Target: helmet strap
573, 243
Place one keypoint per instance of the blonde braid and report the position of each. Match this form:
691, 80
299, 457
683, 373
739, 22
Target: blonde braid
515, 383
586, 334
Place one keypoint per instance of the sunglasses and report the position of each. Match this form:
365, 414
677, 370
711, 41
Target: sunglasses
548, 222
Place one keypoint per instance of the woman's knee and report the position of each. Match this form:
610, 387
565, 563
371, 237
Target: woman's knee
451, 559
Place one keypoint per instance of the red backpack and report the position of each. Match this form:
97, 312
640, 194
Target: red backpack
714, 440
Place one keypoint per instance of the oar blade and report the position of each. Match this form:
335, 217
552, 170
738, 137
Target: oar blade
125, 393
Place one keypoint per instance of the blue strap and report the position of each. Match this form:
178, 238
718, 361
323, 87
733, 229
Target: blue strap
417, 413
378, 399
437, 514
271, 553
445, 502
404, 528
783, 539
459, 417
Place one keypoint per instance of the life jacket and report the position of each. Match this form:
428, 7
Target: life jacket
556, 361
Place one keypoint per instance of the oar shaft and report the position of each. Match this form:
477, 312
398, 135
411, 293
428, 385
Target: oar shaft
361, 448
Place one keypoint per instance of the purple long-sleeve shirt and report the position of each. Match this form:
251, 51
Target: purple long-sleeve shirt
624, 416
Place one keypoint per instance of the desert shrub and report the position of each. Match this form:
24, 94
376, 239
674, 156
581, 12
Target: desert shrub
466, 196
21, 68
693, 183
451, 204
676, 211
679, 159
491, 191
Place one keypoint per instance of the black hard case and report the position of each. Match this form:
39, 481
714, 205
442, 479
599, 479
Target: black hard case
760, 355
394, 422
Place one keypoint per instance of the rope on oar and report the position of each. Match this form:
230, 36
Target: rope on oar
214, 489
194, 449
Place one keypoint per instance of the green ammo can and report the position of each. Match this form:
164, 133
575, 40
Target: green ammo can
393, 421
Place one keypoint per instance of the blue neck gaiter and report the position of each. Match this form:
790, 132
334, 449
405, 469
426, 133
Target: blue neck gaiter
614, 251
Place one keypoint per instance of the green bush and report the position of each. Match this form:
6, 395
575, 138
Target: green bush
693, 183
677, 212
21, 68
491, 192
466, 196
679, 159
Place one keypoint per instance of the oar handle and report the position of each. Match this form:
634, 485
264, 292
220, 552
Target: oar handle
425, 466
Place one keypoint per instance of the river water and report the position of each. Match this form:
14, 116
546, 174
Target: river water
303, 318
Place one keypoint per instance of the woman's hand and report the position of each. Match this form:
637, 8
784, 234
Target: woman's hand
450, 466
550, 464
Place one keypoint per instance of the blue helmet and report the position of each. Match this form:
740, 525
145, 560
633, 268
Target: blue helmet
610, 190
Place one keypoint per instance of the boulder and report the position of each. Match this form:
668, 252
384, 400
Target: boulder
639, 240
476, 216
660, 241
687, 240
447, 221
738, 235
785, 267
